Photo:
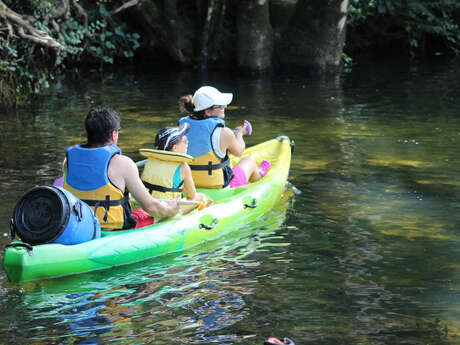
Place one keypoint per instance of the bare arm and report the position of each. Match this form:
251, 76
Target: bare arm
189, 185
232, 142
130, 180
190, 190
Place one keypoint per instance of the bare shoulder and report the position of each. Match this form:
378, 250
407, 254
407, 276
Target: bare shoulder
122, 166
122, 171
121, 161
226, 137
226, 132
185, 167
185, 170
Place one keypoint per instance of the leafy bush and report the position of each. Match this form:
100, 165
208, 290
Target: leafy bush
79, 35
413, 21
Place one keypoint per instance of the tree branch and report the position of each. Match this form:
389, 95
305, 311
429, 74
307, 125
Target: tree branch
42, 40
62, 11
10, 30
23, 25
126, 5
83, 14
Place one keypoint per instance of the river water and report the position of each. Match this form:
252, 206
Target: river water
368, 253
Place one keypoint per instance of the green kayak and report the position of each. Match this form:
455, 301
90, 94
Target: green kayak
232, 209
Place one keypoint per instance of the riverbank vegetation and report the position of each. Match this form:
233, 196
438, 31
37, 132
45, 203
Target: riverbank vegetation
414, 28
41, 39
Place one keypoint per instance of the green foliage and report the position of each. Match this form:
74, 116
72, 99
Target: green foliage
346, 61
106, 47
25, 67
412, 19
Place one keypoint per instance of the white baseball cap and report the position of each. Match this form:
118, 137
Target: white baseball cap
207, 96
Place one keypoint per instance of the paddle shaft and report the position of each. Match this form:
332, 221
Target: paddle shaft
189, 202
180, 202
141, 163
294, 188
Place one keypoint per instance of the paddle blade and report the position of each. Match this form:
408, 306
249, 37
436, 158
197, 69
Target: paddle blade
248, 127
59, 182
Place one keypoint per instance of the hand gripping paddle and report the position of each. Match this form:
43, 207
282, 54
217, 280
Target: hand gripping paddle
247, 126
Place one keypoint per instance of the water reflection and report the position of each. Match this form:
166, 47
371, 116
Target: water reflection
368, 254
180, 298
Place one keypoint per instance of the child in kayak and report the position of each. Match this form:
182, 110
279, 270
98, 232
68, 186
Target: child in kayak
210, 142
167, 173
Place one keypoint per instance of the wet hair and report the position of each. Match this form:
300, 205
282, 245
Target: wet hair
186, 106
99, 125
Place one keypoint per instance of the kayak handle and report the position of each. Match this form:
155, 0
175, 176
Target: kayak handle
253, 205
22, 244
291, 142
209, 227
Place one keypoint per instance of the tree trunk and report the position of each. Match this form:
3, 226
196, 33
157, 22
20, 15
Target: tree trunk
174, 32
315, 36
211, 16
162, 30
255, 36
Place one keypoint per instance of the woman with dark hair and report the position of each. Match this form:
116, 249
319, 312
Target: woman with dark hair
210, 142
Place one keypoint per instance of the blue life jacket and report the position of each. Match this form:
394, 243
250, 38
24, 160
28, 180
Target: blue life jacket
87, 178
199, 134
208, 170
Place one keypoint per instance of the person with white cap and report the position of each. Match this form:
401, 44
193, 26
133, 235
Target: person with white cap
210, 142
166, 172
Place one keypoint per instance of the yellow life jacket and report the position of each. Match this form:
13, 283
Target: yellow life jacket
208, 170
159, 170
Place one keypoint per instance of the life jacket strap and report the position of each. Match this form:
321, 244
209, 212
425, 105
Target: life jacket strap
152, 187
210, 167
105, 203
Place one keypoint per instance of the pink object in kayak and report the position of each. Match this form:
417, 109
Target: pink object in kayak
263, 167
